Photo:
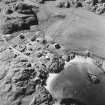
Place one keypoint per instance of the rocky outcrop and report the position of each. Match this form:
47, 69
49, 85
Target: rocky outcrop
97, 6
25, 68
20, 81
17, 16
68, 3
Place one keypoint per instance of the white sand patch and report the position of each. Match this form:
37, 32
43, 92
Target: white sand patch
52, 77
77, 59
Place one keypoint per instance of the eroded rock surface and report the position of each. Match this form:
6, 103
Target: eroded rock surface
28, 58
17, 16
25, 65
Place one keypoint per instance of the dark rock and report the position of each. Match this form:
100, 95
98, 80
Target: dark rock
29, 65
22, 36
18, 16
33, 38
39, 55
41, 40
57, 65
13, 25
31, 21
78, 4
26, 12
9, 11
57, 46
70, 101
27, 53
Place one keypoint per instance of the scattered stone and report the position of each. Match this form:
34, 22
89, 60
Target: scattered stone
39, 55
22, 36
94, 79
40, 40
57, 46
9, 11
33, 38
